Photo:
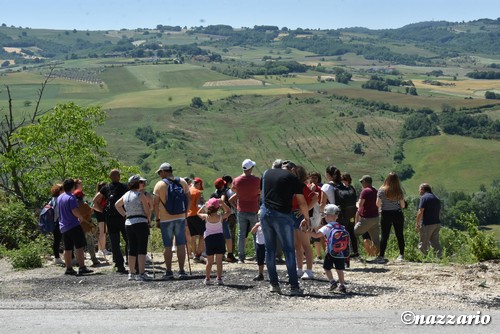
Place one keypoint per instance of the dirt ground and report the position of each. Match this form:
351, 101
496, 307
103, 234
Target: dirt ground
393, 286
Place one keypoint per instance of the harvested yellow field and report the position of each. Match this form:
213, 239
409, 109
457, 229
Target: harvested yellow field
9, 49
240, 82
466, 87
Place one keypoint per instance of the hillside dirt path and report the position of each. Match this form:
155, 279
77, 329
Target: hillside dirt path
394, 286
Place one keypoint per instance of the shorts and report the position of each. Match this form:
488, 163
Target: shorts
297, 219
137, 235
74, 238
331, 261
196, 225
215, 244
172, 228
225, 230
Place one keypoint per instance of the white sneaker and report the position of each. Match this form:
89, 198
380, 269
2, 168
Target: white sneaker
100, 254
131, 277
400, 258
300, 272
308, 274
58, 260
144, 277
107, 252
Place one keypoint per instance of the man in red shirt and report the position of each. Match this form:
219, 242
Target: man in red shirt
247, 193
367, 215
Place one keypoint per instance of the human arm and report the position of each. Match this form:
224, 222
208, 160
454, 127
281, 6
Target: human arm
226, 208
255, 228
119, 207
233, 200
304, 224
97, 202
420, 215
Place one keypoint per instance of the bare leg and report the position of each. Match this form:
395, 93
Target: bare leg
131, 264
167, 254
141, 260
219, 265
80, 257
208, 267
181, 256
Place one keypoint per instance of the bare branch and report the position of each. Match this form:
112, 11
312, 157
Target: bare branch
40, 93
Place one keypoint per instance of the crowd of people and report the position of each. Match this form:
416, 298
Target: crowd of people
288, 211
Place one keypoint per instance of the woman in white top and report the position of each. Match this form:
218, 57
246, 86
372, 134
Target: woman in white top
134, 205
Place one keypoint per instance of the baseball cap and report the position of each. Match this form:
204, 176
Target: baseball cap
366, 178
198, 180
247, 164
213, 202
164, 166
331, 209
135, 178
219, 183
79, 193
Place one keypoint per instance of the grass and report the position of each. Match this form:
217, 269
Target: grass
493, 229
454, 162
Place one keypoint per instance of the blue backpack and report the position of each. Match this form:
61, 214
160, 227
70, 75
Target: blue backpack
337, 242
46, 219
176, 197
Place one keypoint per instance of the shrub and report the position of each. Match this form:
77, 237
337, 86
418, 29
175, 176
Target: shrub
17, 224
29, 255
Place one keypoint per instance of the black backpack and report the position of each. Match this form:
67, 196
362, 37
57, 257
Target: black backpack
114, 192
345, 199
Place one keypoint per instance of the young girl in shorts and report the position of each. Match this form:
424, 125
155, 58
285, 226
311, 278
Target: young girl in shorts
215, 244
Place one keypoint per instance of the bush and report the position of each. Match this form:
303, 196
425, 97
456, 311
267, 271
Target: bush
17, 224
30, 254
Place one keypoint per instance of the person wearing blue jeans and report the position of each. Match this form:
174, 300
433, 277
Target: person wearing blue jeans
279, 186
246, 221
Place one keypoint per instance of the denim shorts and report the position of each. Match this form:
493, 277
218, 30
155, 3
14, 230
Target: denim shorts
225, 230
173, 228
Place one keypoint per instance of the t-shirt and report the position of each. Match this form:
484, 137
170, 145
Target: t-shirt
195, 199
325, 230
160, 190
67, 220
369, 208
387, 204
308, 194
248, 189
329, 190
431, 205
259, 236
279, 187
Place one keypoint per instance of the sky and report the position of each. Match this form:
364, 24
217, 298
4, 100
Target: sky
313, 14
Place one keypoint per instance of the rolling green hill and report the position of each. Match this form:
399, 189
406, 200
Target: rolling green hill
148, 77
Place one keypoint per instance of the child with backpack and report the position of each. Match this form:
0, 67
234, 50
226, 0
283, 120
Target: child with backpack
337, 243
215, 244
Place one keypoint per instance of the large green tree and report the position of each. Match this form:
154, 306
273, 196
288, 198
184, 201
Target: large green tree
63, 143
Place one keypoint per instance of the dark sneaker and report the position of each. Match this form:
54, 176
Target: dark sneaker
259, 277
296, 291
342, 288
121, 270
275, 289
182, 274
198, 259
241, 261
219, 281
380, 260
169, 275
70, 271
84, 270
333, 286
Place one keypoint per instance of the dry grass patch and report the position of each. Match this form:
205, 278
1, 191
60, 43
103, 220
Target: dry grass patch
237, 82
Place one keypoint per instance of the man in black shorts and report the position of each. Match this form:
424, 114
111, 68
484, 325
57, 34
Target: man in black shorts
69, 223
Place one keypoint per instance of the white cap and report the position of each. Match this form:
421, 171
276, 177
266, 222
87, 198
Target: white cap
331, 209
247, 164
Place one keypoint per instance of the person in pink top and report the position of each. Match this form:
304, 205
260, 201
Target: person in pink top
247, 193
215, 244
